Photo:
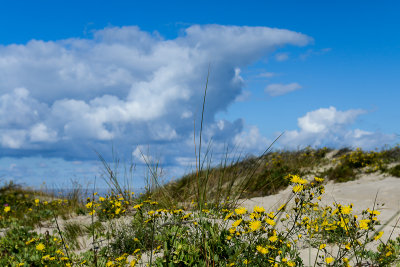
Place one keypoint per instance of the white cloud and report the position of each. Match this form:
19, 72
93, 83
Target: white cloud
252, 140
127, 87
331, 127
41, 133
282, 57
277, 89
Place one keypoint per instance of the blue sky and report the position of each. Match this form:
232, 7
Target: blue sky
83, 76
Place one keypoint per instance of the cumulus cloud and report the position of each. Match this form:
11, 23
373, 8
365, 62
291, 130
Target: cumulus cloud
277, 89
252, 140
332, 127
69, 97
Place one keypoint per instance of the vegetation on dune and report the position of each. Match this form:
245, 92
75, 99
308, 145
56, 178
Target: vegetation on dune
178, 224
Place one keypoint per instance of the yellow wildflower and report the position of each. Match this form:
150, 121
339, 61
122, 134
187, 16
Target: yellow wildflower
7, 209
40, 247
364, 224
262, 249
228, 216
346, 210
137, 206
240, 210
297, 188
259, 209
379, 235
236, 223
273, 238
319, 179
270, 222
329, 260
255, 225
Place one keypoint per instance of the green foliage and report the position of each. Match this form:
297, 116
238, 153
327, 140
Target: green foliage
351, 163
395, 171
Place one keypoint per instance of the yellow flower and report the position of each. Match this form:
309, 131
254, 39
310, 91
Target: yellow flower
379, 235
255, 225
101, 199
346, 210
60, 252
329, 260
259, 209
240, 210
255, 215
297, 180
30, 241
291, 263
37, 201
319, 179
186, 216
7, 209
270, 222
322, 246
117, 211
109, 263
40, 247
262, 249
228, 216
92, 212
89, 205
137, 206
364, 224
273, 238
236, 223
47, 257
297, 188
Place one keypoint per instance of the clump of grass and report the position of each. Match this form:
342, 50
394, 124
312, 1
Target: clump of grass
395, 171
72, 231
